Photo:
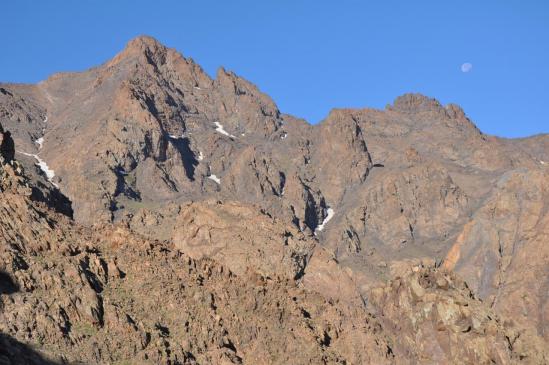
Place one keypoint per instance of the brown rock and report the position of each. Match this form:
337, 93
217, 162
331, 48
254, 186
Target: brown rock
313, 218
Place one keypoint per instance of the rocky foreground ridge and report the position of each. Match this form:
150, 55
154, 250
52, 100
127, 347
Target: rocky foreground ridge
155, 215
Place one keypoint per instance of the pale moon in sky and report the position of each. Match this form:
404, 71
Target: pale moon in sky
466, 67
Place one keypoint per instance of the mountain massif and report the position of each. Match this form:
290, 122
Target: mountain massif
151, 214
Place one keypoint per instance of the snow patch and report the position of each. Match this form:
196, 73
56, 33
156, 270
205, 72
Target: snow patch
39, 142
222, 130
45, 120
329, 215
50, 174
215, 178
200, 156
197, 88
542, 162
284, 135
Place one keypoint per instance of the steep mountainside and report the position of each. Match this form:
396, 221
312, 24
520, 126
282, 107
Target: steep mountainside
150, 155
75, 294
105, 295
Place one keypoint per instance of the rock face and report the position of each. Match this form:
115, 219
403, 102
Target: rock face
502, 250
455, 327
93, 295
105, 294
145, 175
228, 234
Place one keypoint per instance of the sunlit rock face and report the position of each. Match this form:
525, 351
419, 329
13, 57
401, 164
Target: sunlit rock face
144, 178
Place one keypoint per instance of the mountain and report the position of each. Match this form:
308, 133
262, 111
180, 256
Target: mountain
185, 219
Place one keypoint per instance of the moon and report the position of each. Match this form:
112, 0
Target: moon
466, 67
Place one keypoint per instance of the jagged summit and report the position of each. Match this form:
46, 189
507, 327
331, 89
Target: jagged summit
144, 41
415, 102
429, 110
144, 48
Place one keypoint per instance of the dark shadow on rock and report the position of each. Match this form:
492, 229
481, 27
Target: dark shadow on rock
17, 353
7, 284
7, 146
53, 198
124, 187
187, 155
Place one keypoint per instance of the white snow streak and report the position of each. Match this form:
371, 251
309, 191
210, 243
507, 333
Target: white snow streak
284, 135
50, 174
542, 162
200, 156
329, 215
222, 130
45, 120
215, 178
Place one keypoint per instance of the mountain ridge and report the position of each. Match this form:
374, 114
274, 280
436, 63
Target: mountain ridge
150, 143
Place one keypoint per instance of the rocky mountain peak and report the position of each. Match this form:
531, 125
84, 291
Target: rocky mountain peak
143, 42
414, 103
426, 112
143, 49
143, 45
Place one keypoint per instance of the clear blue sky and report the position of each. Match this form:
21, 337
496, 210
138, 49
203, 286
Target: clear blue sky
311, 56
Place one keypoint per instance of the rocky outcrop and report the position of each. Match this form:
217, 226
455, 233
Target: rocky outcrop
502, 251
455, 326
229, 234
